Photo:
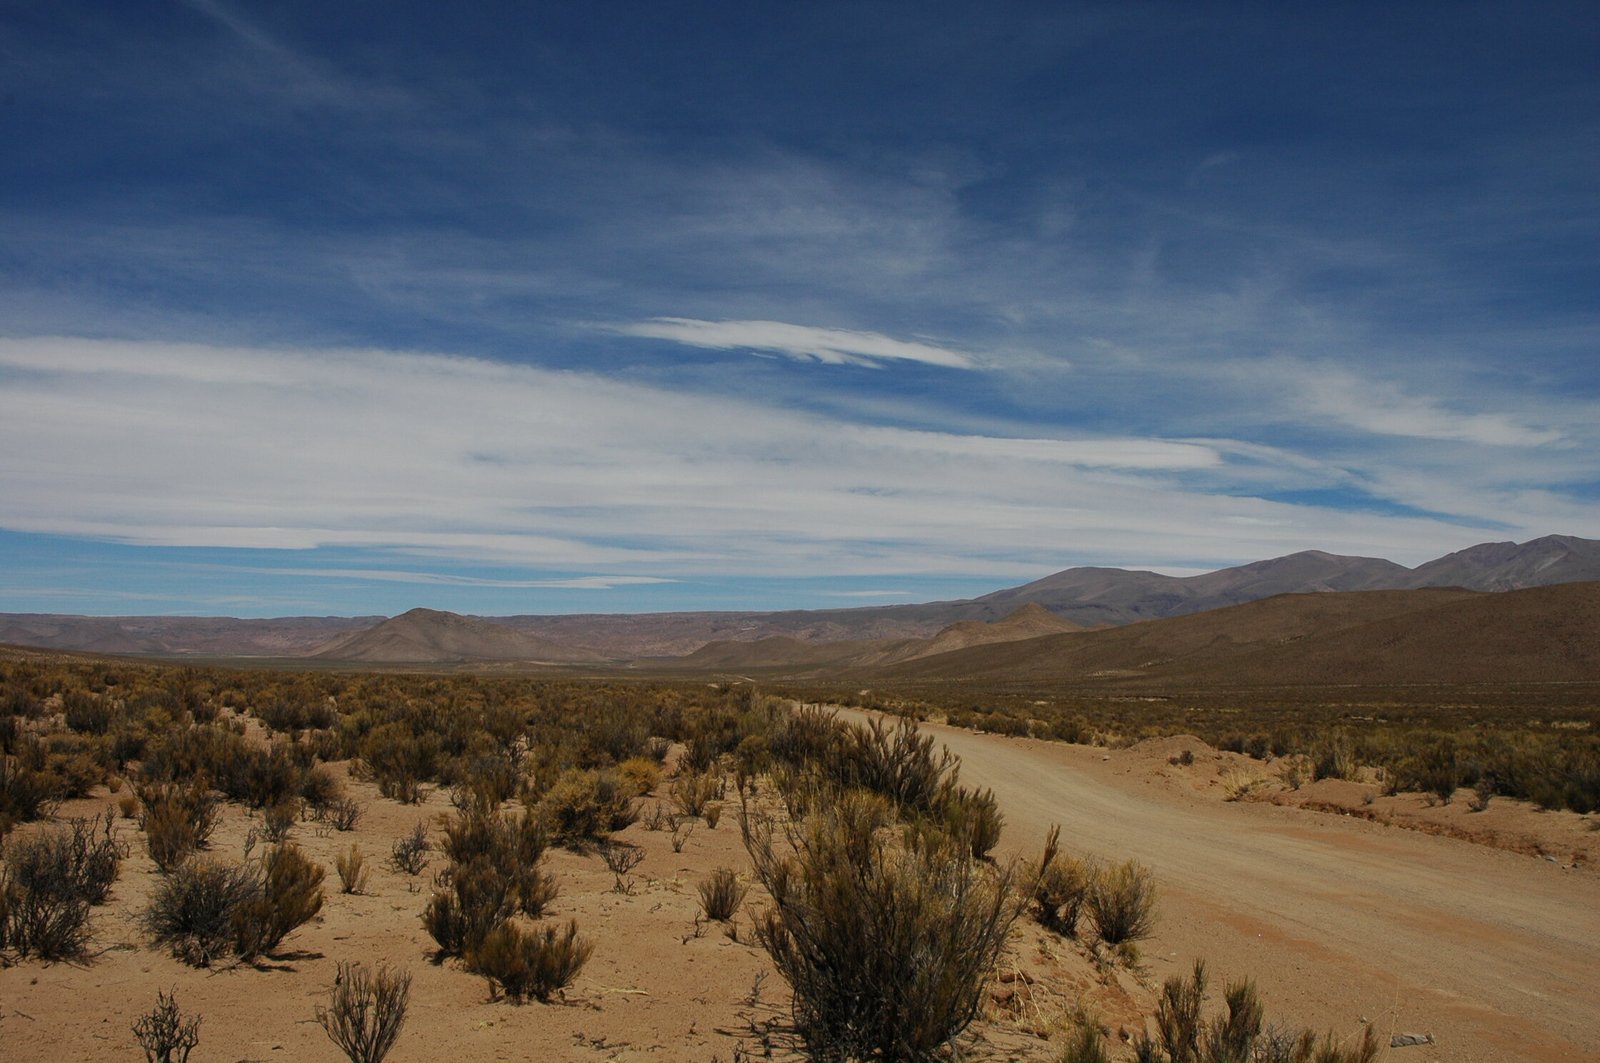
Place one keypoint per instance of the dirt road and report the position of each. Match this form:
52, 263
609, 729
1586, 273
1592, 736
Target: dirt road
1496, 954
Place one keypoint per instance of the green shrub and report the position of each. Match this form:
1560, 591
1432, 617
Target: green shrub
522, 963
887, 947
366, 1011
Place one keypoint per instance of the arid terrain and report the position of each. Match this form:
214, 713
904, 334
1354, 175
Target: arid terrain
1486, 945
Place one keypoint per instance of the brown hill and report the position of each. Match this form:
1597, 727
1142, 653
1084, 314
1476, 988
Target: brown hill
780, 651
429, 636
1371, 637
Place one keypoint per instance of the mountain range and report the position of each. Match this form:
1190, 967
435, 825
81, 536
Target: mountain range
885, 637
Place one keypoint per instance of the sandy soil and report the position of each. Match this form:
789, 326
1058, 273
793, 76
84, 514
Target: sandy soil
1339, 918
659, 986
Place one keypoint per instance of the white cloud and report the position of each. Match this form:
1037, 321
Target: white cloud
1384, 407
439, 457
831, 346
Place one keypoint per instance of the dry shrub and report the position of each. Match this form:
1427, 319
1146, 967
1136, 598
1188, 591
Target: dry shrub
48, 883
193, 908
693, 791
640, 773
586, 805
177, 820
1122, 903
1235, 1035
474, 900
721, 893
344, 814
1060, 887
886, 946
522, 963
410, 851
290, 895
164, 1034
278, 820
26, 791
366, 1011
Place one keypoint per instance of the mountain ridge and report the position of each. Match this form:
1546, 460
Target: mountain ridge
1086, 596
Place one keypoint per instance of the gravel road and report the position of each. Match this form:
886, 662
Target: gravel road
1337, 919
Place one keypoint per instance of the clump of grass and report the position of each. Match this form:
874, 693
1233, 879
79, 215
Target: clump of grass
353, 870
721, 893
366, 1011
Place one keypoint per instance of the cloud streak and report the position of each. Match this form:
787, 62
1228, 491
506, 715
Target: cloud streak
830, 346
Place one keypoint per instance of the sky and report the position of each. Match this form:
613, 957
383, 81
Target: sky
542, 307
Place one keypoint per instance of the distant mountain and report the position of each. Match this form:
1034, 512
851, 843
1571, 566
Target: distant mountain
1510, 566
176, 636
1540, 634
428, 636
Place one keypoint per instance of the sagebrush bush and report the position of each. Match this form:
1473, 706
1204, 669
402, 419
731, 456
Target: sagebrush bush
366, 1011
522, 963
886, 946
721, 893
163, 1032
1121, 903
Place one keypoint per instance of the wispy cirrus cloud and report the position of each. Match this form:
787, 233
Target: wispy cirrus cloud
831, 346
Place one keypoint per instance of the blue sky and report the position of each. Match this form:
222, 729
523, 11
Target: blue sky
540, 307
